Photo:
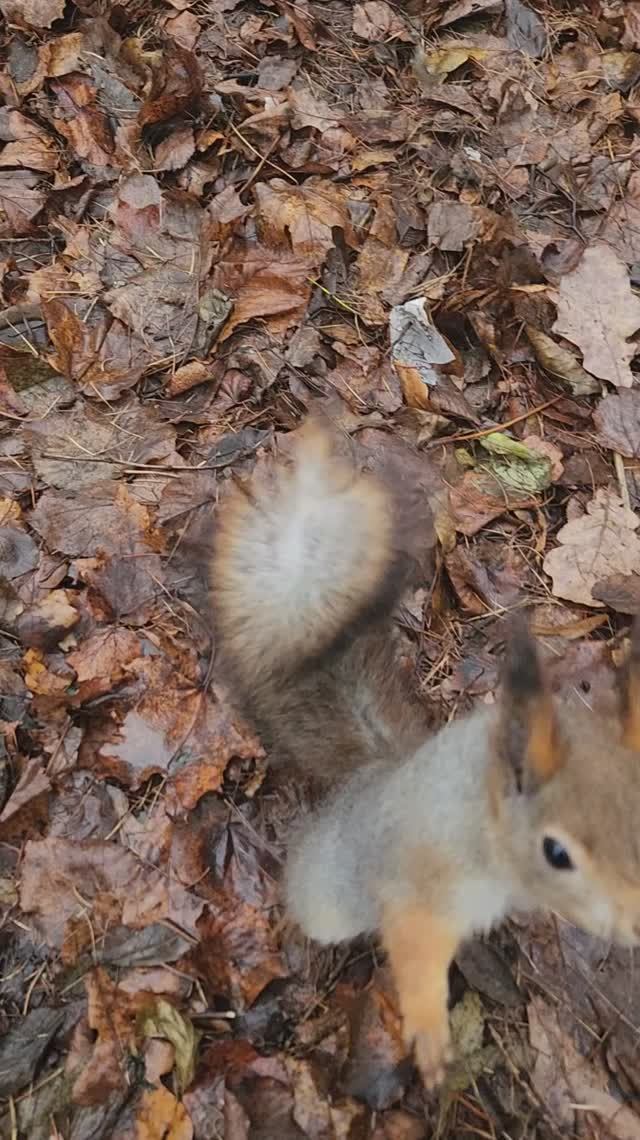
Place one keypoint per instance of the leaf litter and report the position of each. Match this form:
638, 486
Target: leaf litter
423, 219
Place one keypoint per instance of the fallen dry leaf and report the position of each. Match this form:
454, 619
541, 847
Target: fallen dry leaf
160, 1116
62, 881
558, 361
564, 1079
304, 216
100, 661
617, 419
619, 591
479, 497
33, 782
596, 545
376, 21
22, 197
22, 1048
207, 214
238, 951
32, 13
111, 1015
598, 312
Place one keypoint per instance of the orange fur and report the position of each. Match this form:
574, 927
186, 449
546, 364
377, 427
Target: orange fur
421, 946
544, 754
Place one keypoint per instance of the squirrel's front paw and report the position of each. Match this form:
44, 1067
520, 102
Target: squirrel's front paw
433, 1053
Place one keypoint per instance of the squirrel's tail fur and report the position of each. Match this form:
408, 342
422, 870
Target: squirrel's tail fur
305, 574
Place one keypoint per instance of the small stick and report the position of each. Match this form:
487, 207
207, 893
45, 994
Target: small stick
498, 427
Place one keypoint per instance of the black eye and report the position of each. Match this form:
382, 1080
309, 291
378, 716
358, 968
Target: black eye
556, 855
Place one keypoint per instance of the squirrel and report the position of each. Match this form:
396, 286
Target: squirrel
424, 838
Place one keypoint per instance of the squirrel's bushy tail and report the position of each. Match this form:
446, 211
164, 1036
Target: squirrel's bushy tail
304, 573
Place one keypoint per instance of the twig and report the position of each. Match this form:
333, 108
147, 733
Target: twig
618, 463
497, 427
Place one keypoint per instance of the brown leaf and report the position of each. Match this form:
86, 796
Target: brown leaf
27, 144
45, 624
479, 498
365, 380
111, 1015
175, 151
621, 227
176, 86
593, 547
100, 661
82, 121
21, 200
619, 591
373, 1072
173, 722
482, 584
376, 21
165, 297
617, 419
598, 312
558, 361
33, 782
18, 552
100, 354
189, 376
185, 29
564, 1079
105, 525
267, 284
238, 952
32, 13
621, 69
303, 217
488, 972
65, 881
159, 1116
462, 8
453, 225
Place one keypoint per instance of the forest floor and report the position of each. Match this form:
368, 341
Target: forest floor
423, 217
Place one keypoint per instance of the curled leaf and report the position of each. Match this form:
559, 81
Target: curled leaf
559, 362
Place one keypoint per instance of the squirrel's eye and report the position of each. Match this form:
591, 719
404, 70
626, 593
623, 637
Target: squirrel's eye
556, 855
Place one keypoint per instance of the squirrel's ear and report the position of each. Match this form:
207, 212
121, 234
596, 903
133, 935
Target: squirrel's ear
631, 692
527, 730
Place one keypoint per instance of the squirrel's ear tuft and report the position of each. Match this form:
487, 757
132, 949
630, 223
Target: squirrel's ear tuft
527, 729
631, 692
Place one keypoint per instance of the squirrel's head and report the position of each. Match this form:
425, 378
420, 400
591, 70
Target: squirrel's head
568, 794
